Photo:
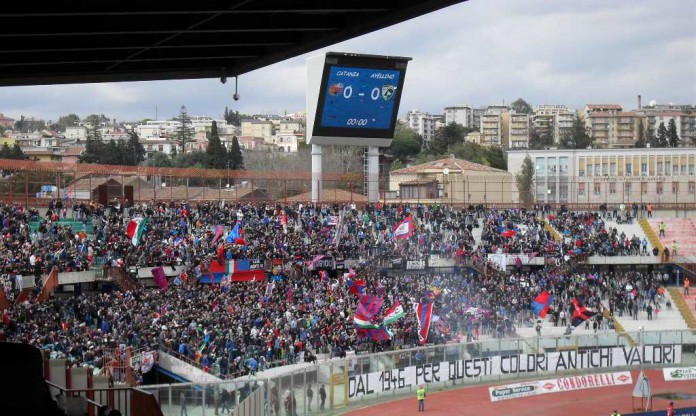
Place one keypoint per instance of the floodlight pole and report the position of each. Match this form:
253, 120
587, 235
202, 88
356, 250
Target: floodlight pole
372, 174
316, 172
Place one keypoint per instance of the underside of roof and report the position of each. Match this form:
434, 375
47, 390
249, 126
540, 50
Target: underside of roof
84, 42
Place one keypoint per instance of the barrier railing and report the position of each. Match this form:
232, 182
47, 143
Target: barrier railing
360, 379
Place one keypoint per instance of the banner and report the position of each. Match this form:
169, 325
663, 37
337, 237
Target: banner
397, 263
679, 373
518, 364
415, 265
558, 385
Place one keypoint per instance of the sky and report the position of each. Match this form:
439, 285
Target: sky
479, 52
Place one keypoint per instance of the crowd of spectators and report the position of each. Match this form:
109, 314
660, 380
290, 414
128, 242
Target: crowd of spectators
242, 327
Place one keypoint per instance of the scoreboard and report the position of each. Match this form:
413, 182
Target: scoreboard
355, 100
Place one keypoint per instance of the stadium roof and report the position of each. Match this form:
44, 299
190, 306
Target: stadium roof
83, 42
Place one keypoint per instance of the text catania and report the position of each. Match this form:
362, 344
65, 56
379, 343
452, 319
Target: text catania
348, 73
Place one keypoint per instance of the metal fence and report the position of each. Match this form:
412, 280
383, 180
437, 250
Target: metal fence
359, 380
38, 183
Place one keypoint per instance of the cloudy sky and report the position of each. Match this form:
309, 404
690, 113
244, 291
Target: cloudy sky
479, 52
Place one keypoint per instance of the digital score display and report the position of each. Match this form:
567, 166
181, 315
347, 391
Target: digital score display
360, 98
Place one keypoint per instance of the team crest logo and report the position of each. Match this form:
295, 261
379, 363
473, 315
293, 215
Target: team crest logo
337, 89
388, 91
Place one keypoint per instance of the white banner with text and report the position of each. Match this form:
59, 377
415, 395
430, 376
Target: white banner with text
533, 364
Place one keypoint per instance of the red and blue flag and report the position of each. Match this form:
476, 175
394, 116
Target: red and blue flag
541, 304
356, 287
424, 313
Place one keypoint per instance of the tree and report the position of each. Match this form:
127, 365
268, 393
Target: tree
577, 137
235, 155
672, 136
641, 142
135, 151
447, 136
525, 181
70, 120
407, 142
539, 141
495, 157
662, 138
520, 106
7, 152
95, 119
217, 154
184, 133
160, 160
396, 164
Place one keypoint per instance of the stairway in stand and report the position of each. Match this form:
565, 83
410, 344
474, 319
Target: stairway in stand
651, 234
682, 302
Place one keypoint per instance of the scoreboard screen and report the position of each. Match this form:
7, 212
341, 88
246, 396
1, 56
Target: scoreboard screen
357, 100
360, 98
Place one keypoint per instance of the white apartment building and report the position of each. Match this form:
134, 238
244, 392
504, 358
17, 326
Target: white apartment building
422, 123
461, 114
553, 119
155, 129
76, 133
685, 123
596, 176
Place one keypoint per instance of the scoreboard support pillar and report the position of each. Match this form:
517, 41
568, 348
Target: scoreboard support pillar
316, 172
372, 174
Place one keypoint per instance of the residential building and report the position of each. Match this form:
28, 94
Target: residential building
258, 128
451, 180
515, 130
251, 143
601, 108
476, 114
161, 145
461, 114
6, 122
596, 176
685, 123
491, 129
555, 120
71, 155
422, 123
76, 133
614, 129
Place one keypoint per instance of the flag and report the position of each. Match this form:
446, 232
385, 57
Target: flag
160, 277
541, 304
236, 235
218, 233
433, 293
135, 229
376, 334
269, 289
356, 287
442, 325
332, 220
393, 314
580, 313
369, 306
324, 276
404, 229
424, 312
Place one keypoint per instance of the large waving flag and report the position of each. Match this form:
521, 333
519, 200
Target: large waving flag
135, 229
160, 278
369, 306
424, 312
541, 304
580, 313
393, 314
379, 333
404, 229
356, 287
